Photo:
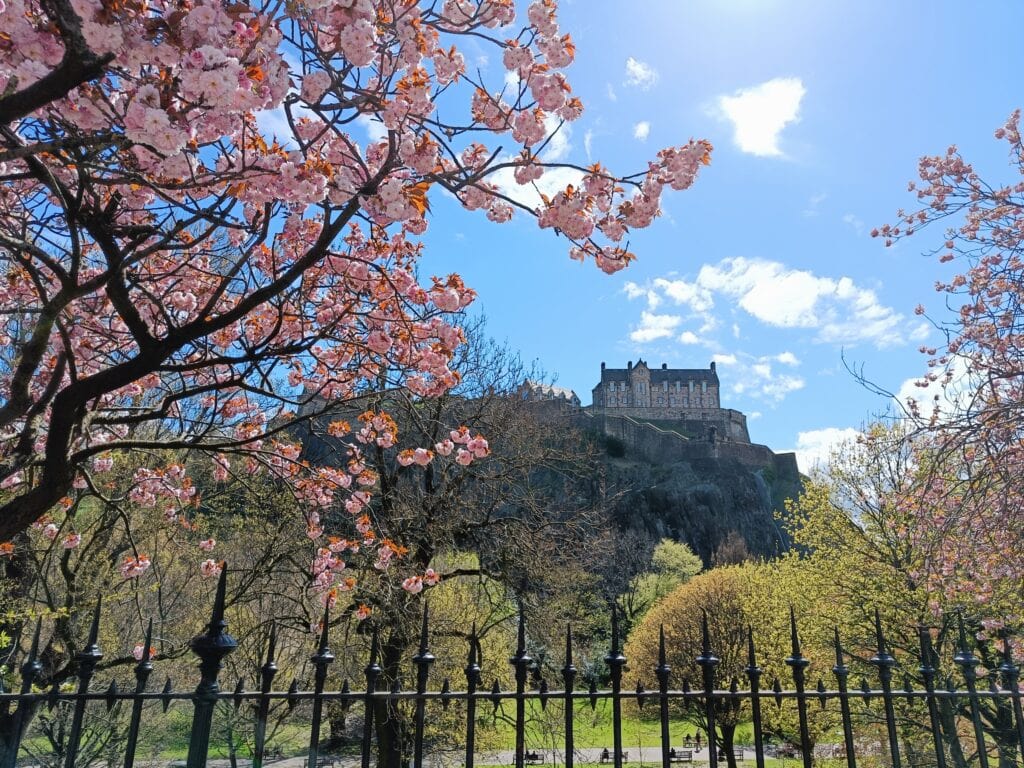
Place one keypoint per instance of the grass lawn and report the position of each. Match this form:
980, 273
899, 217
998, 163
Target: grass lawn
592, 728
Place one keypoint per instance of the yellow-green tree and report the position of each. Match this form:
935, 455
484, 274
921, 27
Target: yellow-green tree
721, 595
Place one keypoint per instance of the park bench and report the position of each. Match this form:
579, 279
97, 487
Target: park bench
606, 756
533, 758
738, 753
323, 761
680, 755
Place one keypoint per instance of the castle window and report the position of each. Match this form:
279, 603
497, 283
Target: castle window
660, 401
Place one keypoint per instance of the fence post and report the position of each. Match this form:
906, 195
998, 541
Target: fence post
616, 661
372, 672
1011, 677
472, 680
267, 672
87, 660
842, 673
211, 647
321, 659
799, 664
423, 659
885, 662
708, 661
754, 676
968, 664
928, 673
142, 672
521, 661
568, 681
663, 670
29, 670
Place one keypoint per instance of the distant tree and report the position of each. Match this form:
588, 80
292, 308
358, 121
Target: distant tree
721, 593
731, 551
513, 525
671, 563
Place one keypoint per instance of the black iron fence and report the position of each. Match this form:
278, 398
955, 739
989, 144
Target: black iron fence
949, 715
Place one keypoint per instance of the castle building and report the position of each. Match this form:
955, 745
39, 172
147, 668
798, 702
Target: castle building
691, 396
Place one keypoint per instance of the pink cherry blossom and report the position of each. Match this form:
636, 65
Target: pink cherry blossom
210, 568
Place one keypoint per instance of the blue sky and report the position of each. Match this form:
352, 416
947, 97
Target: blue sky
818, 112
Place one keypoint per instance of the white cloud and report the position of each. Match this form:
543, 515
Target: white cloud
640, 74
689, 337
375, 129
812, 205
854, 222
787, 358
642, 130
553, 181
839, 310
588, 138
654, 326
756, 377
950, 399
612, 96
695, 297
759, 114
814, 447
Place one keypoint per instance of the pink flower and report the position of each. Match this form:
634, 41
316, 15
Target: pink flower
431, 577
210, 568
72, 540
363, 611
207, 544
464, 457
50, 531
445, 447
133, 567
413, 585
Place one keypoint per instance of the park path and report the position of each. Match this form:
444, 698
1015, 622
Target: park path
587, 755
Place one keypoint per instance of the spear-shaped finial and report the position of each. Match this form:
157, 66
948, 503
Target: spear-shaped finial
272, 644
220, 600
423, 629
794, 635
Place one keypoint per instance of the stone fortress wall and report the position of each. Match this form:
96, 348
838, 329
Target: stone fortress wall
664, 445
672, 414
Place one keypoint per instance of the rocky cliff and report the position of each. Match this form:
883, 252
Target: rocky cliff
697, 492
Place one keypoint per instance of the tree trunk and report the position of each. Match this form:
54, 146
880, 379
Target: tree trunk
726, 742
390, 724
950, 735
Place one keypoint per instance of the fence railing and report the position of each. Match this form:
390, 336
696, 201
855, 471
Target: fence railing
938, 698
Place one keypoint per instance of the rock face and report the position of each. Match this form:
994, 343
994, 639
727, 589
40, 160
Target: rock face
699, 492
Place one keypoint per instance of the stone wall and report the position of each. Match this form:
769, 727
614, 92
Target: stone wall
730, 425
666, 446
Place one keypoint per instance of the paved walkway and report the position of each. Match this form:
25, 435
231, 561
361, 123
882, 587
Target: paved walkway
651, 755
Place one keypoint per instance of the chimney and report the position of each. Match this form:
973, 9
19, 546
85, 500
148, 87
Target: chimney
602, 365
712, 366
629, 366
664, 366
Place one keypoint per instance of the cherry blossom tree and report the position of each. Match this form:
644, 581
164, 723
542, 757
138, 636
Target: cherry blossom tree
966, 507
179, 275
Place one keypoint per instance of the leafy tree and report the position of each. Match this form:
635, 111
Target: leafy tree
860, 550
672, 563
177, 278
720, 595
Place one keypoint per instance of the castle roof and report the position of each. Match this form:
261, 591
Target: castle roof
549, 390
659, 375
